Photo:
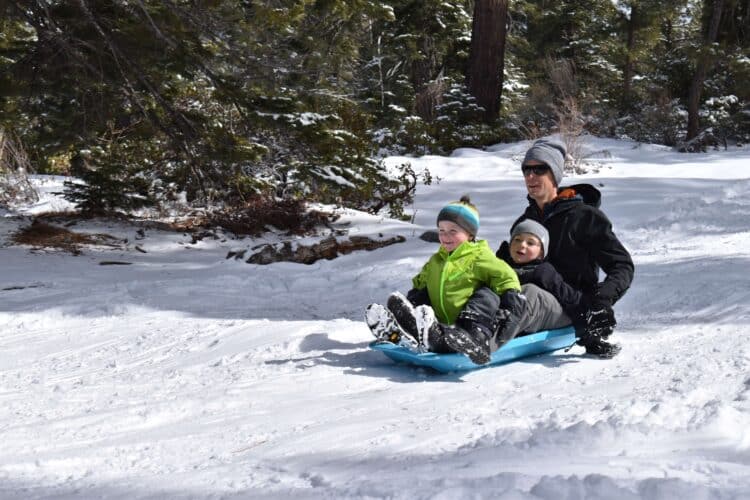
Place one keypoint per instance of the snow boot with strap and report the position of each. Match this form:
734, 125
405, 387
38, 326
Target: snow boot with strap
431, 336
420, 322
405, 314
469, 338
385, 328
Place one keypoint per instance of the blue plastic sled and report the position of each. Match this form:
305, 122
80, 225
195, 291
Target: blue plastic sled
519, 347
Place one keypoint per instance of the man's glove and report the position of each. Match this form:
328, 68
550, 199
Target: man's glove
600, 322
597, 325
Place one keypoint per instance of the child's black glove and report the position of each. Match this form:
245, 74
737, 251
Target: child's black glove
418, 297
507, 319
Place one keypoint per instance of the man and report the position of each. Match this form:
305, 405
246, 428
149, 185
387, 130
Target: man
581, 242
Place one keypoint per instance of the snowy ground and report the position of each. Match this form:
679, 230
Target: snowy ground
187, 375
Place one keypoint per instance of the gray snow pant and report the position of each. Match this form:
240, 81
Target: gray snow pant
543, 311
539, 311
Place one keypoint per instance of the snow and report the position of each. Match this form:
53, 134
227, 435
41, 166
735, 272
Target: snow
189, 375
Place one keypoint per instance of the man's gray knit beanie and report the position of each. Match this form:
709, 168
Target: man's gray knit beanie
532, 227
549, 152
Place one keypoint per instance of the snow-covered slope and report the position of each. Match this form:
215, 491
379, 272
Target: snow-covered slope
187, 375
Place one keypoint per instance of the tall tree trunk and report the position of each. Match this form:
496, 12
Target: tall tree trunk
703, 64
627, 74
484, 74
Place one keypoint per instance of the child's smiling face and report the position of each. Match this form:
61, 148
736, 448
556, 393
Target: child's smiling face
451, 235
525, 247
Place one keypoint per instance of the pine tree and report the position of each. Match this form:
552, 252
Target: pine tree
702, 65
209, 102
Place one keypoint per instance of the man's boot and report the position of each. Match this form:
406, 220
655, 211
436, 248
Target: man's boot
596, 345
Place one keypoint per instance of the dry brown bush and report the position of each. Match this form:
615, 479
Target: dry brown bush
253, 218
43, 235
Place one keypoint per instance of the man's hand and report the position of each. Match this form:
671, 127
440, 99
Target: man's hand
598, 325
600, 322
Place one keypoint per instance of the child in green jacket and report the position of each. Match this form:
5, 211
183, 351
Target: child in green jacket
442, 288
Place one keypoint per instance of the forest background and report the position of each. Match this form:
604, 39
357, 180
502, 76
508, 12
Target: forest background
250, 109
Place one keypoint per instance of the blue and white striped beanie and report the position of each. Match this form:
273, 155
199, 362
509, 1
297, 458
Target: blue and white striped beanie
461, 213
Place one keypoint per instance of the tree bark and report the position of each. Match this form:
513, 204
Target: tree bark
627, 74
484, 75
703, 65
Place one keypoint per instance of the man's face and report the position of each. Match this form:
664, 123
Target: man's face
540, 183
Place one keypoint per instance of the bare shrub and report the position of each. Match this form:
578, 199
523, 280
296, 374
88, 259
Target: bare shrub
14, 167
531, 131
567, 108
571, 128
429, 98
561, 73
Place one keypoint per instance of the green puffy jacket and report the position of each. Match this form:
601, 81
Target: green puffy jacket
451, 279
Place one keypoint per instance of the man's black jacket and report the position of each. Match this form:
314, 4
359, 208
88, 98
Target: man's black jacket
581, 242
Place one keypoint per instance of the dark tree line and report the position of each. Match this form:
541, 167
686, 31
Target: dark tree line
225, 102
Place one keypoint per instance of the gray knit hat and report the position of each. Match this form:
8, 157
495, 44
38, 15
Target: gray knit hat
549, 152
532, 227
